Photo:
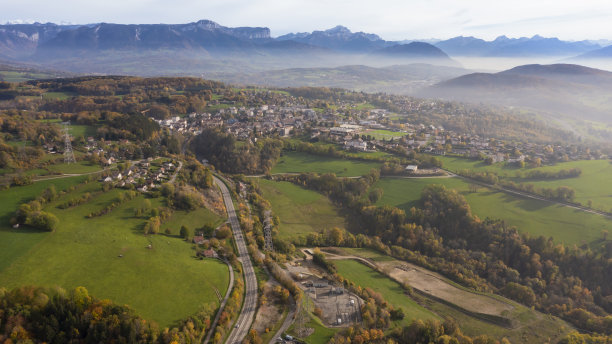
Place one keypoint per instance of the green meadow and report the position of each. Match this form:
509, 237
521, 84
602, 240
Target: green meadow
301, 211
82, 166
58, 95
16, 242
592, 185
298, 162
77, 130
384, 134
109, 254
565, 225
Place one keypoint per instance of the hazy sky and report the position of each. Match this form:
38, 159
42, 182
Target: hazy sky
391, 19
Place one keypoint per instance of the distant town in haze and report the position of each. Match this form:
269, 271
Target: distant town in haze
203, 183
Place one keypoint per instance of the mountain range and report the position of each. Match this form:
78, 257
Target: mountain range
51, 44
515, 47
206, 46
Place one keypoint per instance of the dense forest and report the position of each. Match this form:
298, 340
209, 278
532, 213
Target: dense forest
223, 151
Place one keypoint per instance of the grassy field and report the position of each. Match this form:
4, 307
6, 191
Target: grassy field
364, 106
76, 168
457, 164
592, 185
566, 225
297, 162
82, 130
192, 220
301, 211
384, 134
58, 95
15, 243
109, 256
392, 292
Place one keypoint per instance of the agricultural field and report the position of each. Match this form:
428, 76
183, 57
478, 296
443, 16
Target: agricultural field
301, 211
592, 185
109, 255
392, 291
298, 162
565, 225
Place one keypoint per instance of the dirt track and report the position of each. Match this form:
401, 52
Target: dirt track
433, 284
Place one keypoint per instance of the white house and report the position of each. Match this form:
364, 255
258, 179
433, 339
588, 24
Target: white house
411, 168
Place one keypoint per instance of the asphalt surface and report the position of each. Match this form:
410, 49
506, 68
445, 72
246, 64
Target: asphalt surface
222, 305
245, 319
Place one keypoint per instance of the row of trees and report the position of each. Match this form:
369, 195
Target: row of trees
31, 213
560, 174
560, 193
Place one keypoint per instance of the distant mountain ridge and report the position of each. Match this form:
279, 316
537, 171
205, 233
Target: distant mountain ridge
503, 46
339, 38
415, 49
208, 47
201, 46
19, 40
603, 53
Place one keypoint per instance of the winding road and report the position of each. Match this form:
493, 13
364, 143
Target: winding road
245, 319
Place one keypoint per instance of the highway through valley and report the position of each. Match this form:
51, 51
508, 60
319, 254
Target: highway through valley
245, 319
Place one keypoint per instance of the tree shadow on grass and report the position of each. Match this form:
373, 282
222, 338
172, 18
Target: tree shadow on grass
23, 229
527, 204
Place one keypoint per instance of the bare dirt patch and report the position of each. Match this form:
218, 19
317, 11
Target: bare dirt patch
214, 201
433, 284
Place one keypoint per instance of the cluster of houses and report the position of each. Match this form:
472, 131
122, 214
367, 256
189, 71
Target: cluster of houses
248, 123
245, 123
142, 176
199, 240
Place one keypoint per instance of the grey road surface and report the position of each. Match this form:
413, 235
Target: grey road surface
245, 319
